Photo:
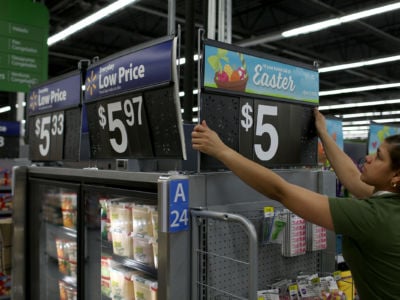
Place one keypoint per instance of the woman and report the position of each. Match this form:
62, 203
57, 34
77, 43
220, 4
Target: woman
370, 227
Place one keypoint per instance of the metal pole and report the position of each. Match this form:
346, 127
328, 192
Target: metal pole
189, 64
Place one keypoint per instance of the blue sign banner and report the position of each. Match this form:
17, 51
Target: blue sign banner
178, 205
55, 95
144, 67
8, 128
240, 72
378, 133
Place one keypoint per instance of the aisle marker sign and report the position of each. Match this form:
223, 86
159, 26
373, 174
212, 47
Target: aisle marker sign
178, 205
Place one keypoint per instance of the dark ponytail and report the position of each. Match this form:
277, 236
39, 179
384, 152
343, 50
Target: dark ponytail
394, 150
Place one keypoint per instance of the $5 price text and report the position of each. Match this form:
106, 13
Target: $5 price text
47, 128
263, 112
111, 120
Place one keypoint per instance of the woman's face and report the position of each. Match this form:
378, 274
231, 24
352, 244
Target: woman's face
377, 169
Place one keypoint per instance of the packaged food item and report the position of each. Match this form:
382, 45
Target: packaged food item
122, 286
122, 244
155, 252
143, 287
143, 249
68, 200
63, 290
141, 220
69, 218
60, 248
63, 266
154, 222
121, 216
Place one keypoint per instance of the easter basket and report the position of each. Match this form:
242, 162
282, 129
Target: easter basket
238, 85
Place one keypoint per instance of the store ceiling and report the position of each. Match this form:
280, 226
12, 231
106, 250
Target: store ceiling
369, 38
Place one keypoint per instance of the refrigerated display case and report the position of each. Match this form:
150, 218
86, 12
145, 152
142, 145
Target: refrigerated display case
94, 234
116, 235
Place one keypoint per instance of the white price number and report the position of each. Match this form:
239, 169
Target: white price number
46, 127
262, 128
115, 124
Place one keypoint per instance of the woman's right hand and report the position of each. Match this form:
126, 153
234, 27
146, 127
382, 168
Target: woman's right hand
320, 122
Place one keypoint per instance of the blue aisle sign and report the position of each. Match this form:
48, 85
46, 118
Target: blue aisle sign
178, 205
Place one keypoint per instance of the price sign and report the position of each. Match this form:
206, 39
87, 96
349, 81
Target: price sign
262, 108
275, 134
132, 104
54, 119
49, 136
178, 205
120, 127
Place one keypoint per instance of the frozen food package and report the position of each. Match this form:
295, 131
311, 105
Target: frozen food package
122, 286
121, 216
122, 244
141, 220
143, 249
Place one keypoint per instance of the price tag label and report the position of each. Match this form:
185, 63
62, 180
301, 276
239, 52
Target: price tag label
48, 140
178, 205
120, 127
275, 134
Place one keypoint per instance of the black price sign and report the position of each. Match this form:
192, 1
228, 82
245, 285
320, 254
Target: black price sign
48, 139
119, 127
133, 106
55, 119
263, 108
275, 134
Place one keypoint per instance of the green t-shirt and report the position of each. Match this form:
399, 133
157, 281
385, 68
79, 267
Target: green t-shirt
371, 243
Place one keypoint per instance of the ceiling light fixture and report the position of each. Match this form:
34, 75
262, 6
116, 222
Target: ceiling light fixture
360, 64
360, 89
337, 21
102, 13
5, 109
359, 104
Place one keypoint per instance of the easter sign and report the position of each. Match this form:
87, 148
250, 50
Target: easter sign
239, 72
260, 106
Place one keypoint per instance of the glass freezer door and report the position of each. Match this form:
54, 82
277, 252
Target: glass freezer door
122, 230
53, 215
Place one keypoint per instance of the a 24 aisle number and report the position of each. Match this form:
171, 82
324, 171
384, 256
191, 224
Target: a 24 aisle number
132, 111
46, 128
261, 128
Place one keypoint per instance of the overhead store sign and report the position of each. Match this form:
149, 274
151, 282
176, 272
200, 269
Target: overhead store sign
148, 66
132, 104
239, 72
260, 106
23, 45
56, 95
55, 119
